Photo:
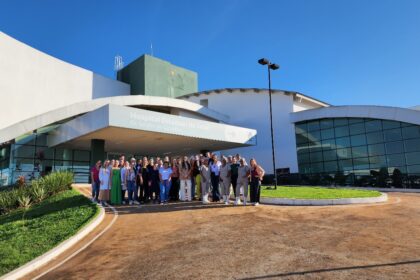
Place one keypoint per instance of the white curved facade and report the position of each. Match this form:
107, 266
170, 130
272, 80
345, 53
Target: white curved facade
34, 83
250, 108
359, 111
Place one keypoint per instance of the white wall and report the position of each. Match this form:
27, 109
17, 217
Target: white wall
251, 110
32, 82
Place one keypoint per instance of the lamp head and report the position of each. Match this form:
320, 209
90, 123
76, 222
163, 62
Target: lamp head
263, 61
274, 66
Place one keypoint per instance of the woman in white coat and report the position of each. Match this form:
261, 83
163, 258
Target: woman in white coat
104, 183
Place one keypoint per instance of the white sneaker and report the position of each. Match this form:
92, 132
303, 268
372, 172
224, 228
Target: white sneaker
131, 202
123, 202
238, 201
227, 202
136, 202
256, 204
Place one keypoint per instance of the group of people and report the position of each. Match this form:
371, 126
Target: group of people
204, 177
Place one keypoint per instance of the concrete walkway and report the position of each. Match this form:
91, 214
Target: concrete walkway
192, 241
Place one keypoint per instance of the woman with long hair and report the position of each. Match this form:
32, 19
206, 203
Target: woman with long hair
104, 182
243, 181
115, 184
224, 179
174, 191
196, 177
144, 187
185, 176
257, 174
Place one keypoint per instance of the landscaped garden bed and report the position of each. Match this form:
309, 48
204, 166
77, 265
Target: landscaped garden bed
32, 224
301, 192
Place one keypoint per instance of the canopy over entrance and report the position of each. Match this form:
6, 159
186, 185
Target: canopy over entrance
138, 131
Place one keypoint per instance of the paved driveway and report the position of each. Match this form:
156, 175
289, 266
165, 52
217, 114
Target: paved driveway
192, 241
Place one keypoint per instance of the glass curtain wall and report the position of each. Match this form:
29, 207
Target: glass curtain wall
31, 158
358, 151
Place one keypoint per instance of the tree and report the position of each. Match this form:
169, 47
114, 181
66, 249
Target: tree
397, 178
382, 177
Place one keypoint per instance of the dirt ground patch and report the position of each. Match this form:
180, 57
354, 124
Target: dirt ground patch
192, 241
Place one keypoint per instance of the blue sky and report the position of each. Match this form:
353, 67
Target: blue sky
339, 51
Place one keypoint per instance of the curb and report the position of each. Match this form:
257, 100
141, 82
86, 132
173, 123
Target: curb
320, 202
56, 251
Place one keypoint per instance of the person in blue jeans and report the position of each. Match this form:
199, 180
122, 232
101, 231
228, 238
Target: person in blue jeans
94, 177
165, 182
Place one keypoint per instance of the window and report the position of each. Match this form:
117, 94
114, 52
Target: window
303, 158
360, 151
328, 144
313, 125
341, 131
375, 137
394, 147
412, 145
378, 162
396, 160
373, 125
376, 150
361, 163
358, 140
23, 151
411, 132
340, 122
344, 153
316, 157
343, 142
412, 158
330, 155
330, 166
392, 134
357, 128
327, 123
327, 133
390, 124
314, 136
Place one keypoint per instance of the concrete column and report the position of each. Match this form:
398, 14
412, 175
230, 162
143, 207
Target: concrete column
97, 150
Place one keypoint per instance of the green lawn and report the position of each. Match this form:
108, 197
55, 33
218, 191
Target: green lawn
46, 225
316, 193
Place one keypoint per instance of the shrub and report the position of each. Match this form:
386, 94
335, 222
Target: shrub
8, 201
22, 195
38, 193
24, 201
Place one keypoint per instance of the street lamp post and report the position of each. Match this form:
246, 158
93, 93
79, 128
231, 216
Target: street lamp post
271, 66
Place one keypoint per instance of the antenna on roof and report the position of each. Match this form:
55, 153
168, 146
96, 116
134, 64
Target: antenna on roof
118, 64
151, 48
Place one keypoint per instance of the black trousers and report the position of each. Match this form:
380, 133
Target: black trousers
174, 191
255, 189
215, 187
234, 181
144, 191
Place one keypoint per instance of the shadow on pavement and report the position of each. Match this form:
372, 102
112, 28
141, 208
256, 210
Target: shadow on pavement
171, 207
287, 274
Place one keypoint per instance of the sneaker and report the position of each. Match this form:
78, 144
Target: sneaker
123, 202
226, 202
244, 202
161, 203
136, 202
256, 204
131, 202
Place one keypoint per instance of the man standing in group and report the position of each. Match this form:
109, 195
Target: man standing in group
94, 177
